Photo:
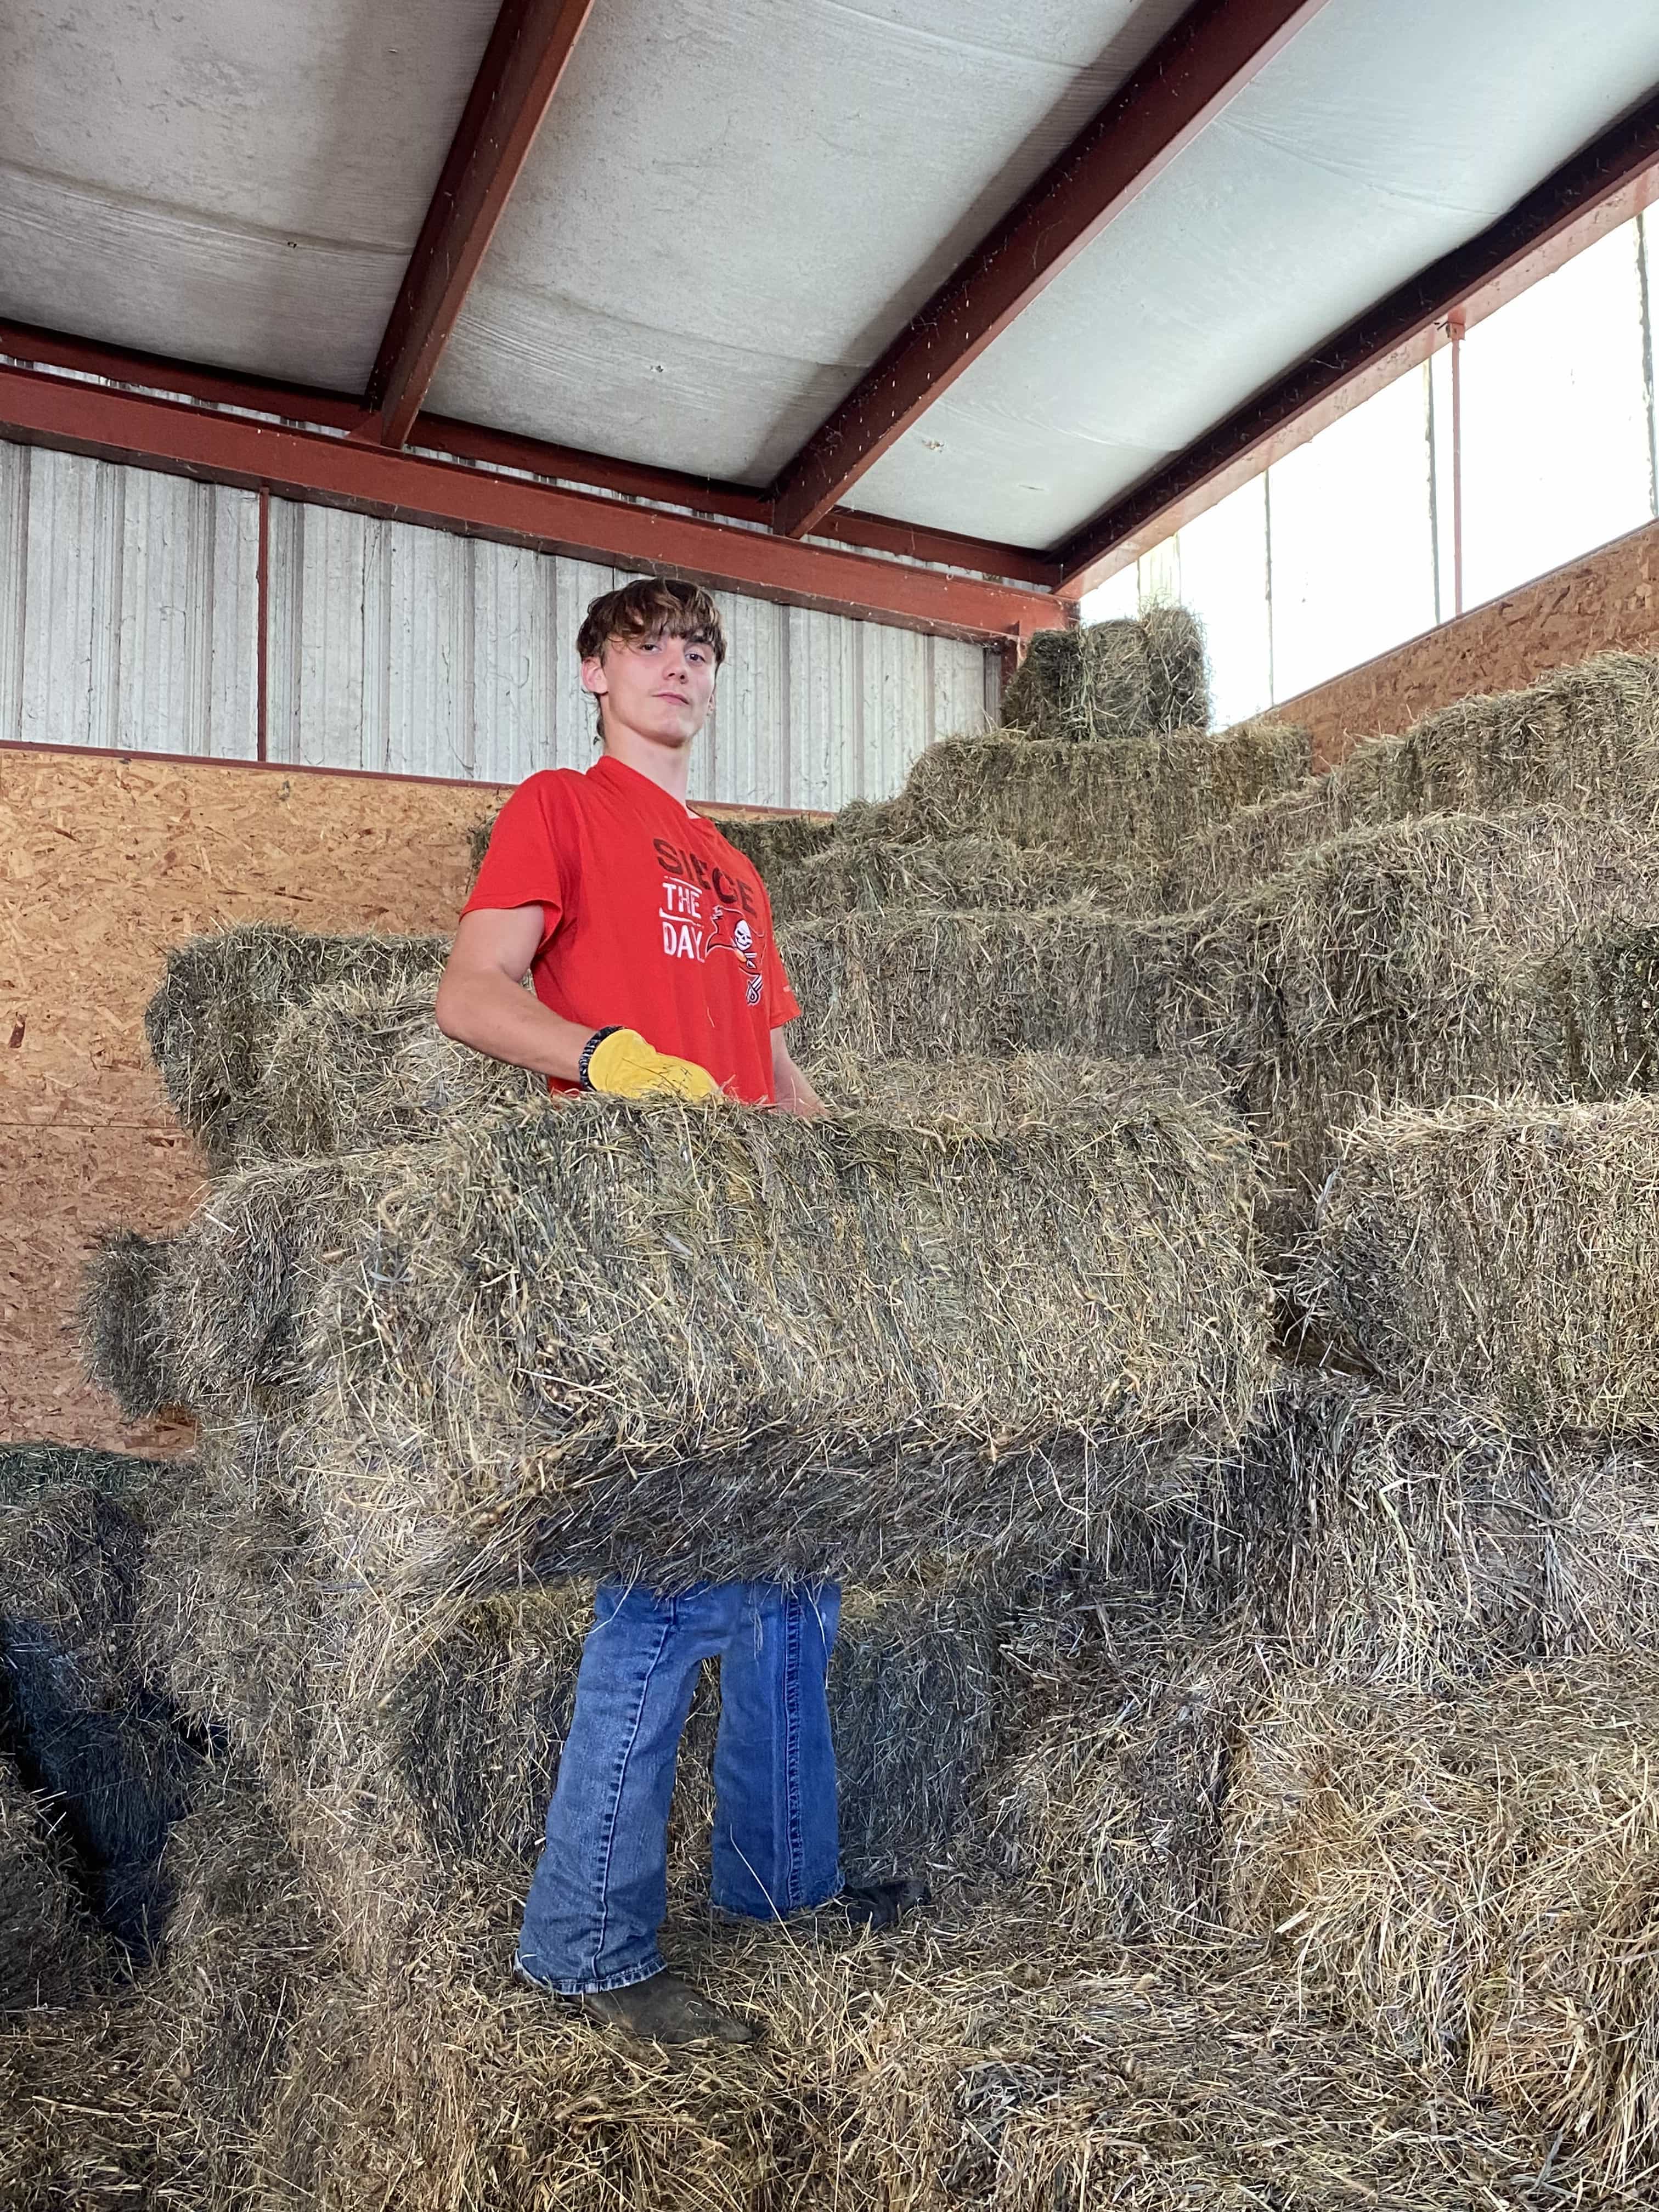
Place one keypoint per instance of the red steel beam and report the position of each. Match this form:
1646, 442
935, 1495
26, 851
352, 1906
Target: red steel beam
42, 409
1211, 53
472, 442
1604, 184
526, 58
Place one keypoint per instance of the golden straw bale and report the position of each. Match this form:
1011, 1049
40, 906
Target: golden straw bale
1478, 1879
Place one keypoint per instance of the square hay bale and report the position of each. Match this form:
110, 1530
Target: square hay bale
53, 1953
1475, 1879
1503, 1252
1108, 1805
1111, 802
603, 1339
914, 984
1113, 679
1398, 965
1416, 1544
869, 874
78, 1709
1603, 991
408, 1754
1255, 842
124, 1334
969, 2059
210, 1024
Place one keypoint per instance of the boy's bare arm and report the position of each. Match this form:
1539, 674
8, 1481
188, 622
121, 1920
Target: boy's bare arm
791, 1089
481, 1001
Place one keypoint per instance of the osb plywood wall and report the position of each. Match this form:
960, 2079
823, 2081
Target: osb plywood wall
1609, 599
108, 862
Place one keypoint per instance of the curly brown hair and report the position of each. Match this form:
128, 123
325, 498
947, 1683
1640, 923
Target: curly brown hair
649, 608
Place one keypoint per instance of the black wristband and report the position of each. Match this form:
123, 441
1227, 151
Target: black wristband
588, 1051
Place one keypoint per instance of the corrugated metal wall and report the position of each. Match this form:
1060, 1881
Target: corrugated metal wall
128, 616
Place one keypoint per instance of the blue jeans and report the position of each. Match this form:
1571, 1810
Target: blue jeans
601, 1885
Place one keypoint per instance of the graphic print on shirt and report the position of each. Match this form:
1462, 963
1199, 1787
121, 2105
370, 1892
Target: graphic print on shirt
689, 934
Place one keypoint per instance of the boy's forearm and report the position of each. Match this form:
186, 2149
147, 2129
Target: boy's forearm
499, 1017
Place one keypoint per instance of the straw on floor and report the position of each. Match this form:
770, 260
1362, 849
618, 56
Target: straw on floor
1474, 1880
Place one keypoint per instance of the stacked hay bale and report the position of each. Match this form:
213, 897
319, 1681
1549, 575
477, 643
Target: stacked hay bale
989, 1342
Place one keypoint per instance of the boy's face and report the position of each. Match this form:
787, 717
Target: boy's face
658, 689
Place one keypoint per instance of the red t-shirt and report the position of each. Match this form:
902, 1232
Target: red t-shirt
650, 920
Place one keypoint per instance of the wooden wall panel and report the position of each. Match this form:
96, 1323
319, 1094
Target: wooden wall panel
1609, 599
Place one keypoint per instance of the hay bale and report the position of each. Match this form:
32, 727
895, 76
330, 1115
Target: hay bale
1604, 991
1504, 1252
777, 842
871, 873
1474, 1878
1585, 739
969, 2058
1112, 679
1396, 966
408, 1756
210, 1025
1108, 1805
77, 1707
471, 1334
1421, 1545
52, 1951
915, 984
123, 1336
1122, 801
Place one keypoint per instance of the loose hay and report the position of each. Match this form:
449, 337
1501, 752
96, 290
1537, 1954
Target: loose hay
51, 1951
209, 1026
472, 1331
1476, 1879
1503, 1253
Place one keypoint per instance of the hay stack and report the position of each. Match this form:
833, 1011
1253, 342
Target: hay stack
1110, 802
77, 1707
1584, 737
210, 1024
969, 2058
1502, 1252
1475, 1879
124, 1333
1397, 965
468, 1332
1113, 679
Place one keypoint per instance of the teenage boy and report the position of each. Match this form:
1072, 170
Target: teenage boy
648, 939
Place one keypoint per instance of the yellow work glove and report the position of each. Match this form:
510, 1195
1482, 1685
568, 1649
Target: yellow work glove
621, 1064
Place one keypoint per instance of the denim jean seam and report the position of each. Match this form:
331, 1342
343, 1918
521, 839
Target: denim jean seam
619, 1774
586, 1988
793, 1816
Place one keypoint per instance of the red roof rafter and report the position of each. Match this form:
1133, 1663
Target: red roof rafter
520, 71
1211, 53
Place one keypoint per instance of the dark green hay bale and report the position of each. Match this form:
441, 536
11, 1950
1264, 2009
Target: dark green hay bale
90, 1728
1501, 1252
123, 1336
472, 1331
210, 1025
51, 1952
